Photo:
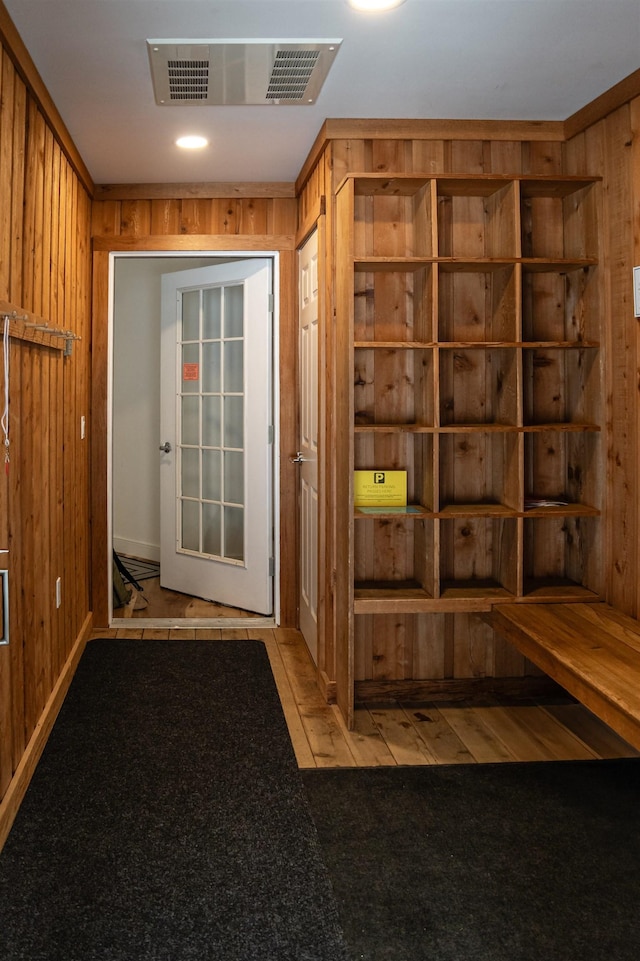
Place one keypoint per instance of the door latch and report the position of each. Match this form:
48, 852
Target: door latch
166, 447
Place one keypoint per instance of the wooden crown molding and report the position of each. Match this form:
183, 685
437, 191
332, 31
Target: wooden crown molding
628, 89
194, 242
398, 129
195, 191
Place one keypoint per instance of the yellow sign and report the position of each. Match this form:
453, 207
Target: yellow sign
380, 488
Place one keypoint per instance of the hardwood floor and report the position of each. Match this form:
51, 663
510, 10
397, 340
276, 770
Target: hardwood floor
442, 733
161, 602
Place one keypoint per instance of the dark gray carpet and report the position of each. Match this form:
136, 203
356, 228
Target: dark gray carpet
504, 862
166, 820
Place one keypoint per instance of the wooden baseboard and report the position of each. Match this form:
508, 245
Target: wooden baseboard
24, 772
327, 687
457, 689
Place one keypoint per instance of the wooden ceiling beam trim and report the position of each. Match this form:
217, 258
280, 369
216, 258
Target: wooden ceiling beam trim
195, 191
628, 89
196, 242
396, 129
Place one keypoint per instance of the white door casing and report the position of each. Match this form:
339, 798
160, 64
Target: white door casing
307, 456
216, 478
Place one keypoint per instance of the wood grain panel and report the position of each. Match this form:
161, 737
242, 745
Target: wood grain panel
311, 201
44, 273
16, 50
18, 190
540, 157
165, 216
135, 218
7, 78
619, 191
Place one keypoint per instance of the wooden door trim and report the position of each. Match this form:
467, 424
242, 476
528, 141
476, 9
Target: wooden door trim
287, 333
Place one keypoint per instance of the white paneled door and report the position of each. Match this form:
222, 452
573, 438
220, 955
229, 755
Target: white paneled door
216, 444
307, 455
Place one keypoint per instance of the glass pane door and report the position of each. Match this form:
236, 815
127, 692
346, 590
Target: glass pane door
211, 400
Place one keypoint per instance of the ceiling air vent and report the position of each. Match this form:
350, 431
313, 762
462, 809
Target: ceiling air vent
234, 72
291, 74
188, 79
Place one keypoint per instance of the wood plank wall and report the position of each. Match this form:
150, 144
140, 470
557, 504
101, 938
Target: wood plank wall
611, 147
459, 646
44, 270
130, 221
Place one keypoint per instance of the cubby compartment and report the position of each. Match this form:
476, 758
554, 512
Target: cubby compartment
560, 305
558, 219
561, 557
476, 218
384, 640
478, 304
407, 397
479, 557
479, 472
561, 471
393, 305
394, 558
479, 386
560, 386
393, 217
400, 450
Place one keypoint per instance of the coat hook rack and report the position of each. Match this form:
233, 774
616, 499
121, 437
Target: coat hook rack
43, 326
67, 335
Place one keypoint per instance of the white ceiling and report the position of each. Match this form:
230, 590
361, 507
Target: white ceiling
476, 59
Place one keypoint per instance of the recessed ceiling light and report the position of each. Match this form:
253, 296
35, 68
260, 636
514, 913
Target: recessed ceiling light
375, 4
191, 142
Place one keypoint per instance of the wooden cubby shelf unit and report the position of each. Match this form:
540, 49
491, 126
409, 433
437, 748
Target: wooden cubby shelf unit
467, 353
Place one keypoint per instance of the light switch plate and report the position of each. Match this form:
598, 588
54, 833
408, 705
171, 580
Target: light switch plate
636, 291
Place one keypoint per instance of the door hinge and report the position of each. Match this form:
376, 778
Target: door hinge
272, 566
270, 434
270, 304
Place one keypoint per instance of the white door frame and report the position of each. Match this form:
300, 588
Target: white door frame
186, 622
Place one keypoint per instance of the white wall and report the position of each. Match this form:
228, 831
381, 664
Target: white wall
136, 400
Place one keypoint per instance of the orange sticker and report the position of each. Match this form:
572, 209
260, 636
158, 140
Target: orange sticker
190, 371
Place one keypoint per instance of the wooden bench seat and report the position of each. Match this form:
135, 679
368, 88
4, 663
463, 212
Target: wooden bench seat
591, 650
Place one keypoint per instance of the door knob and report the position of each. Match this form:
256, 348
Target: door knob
166, 447
298, 459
